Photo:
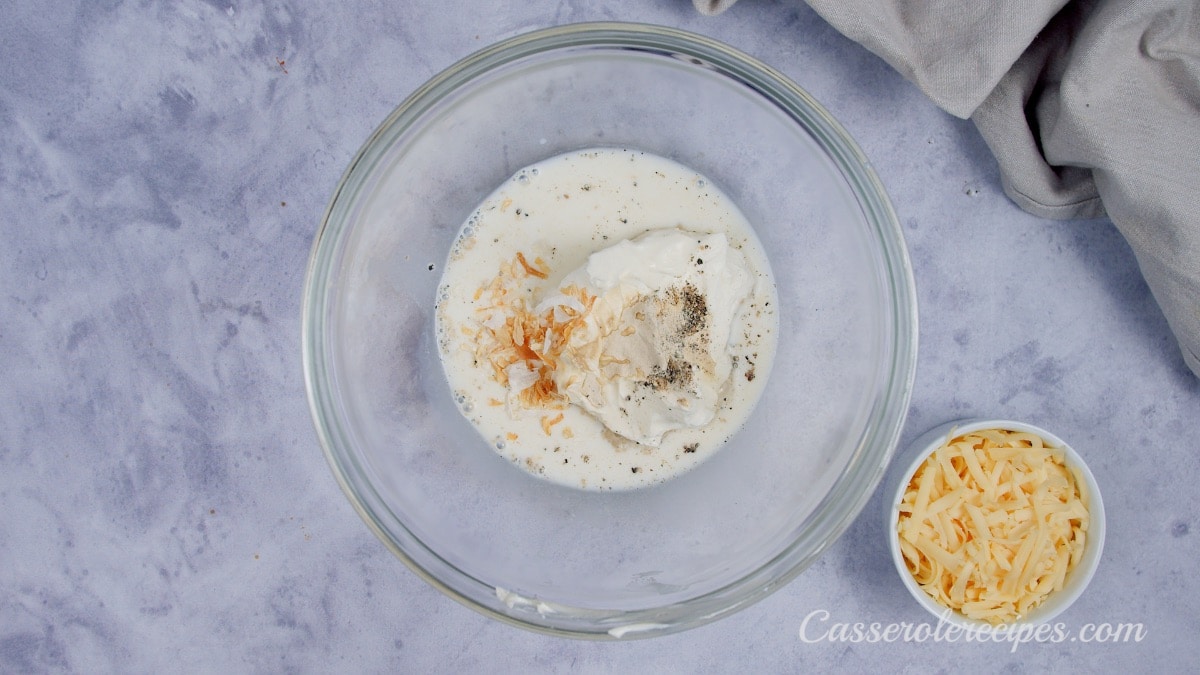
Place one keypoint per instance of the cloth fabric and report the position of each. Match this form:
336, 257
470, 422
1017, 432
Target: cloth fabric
1091, 107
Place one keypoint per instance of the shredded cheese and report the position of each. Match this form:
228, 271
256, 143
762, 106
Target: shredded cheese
992, 523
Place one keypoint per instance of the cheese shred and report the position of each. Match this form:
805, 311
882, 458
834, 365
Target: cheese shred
992, 523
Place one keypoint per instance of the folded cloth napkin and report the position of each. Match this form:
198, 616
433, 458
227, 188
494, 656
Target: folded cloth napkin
1091, 107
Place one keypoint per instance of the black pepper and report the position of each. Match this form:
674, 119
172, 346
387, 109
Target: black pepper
695, 309
677, 373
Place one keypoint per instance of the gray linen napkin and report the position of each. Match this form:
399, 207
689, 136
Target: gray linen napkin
1090, 106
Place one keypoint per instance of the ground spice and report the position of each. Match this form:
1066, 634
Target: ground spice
683, 310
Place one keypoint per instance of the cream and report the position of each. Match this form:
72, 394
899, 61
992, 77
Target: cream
610, 241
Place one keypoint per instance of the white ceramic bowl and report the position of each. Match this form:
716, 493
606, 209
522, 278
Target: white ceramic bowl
1077, 579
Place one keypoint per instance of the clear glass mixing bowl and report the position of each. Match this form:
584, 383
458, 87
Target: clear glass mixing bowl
628, 564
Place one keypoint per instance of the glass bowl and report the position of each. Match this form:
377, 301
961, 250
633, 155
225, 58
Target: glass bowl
626, 564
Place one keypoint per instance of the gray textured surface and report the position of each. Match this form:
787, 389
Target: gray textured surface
163, 167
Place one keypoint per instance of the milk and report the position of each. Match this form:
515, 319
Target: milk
560, 211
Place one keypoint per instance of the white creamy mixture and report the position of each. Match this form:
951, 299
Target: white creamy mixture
606, 319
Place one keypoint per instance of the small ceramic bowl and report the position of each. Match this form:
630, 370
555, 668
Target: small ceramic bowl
1077, 579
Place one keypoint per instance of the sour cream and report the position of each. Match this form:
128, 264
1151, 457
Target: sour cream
650, 354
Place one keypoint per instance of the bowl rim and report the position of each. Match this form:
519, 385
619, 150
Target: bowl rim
924, 446
851, 489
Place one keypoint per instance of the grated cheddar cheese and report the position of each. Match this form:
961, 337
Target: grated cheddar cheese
992, 522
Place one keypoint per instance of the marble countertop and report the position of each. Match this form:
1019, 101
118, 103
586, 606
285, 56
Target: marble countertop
166, 505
